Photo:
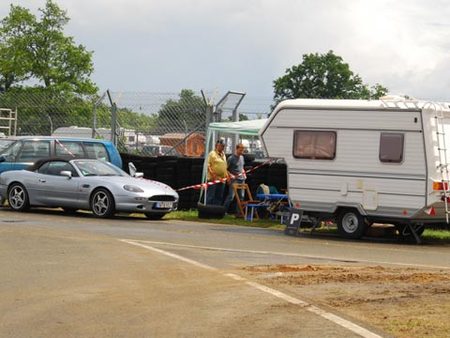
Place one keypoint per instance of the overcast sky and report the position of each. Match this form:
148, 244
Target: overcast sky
166, 45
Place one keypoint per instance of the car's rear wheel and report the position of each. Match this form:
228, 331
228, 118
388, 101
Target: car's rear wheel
102, 203
154, 216
18, 197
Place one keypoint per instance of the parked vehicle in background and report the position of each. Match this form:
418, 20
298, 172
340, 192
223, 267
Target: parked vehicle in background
158, 150
20, 152
87, 184
359, 162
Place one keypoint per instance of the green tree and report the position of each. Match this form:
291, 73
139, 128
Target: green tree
37, 49
59, 63
186, 113
324, 76
15, 39
43, 72
242, 117
136, 121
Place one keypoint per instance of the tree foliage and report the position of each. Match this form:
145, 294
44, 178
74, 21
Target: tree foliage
46, 75
324, 76
186, 113
15, 40
36, 48
242, 117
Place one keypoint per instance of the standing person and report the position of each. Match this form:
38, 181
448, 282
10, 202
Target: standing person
217, 169
235, 169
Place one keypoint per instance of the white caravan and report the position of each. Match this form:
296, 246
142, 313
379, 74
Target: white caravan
360, 162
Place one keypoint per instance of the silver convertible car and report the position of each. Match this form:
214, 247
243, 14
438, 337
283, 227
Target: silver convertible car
85, 184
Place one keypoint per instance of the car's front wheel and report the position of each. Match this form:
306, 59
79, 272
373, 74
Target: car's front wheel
18, 197
102, 203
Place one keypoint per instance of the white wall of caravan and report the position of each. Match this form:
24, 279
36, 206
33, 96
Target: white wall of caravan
356, 168
357, 119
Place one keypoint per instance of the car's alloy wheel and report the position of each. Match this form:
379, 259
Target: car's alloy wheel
102, 203
18, 197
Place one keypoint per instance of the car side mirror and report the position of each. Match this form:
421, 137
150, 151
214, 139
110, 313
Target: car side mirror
66, 173
132, 169
138, 175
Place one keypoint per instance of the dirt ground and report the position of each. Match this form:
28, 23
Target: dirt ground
405, 302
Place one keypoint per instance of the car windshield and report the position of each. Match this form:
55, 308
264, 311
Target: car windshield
98, 168
4, 144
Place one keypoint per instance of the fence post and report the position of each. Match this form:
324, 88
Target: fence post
209, 119
113, 119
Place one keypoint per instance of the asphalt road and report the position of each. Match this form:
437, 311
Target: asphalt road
72, 276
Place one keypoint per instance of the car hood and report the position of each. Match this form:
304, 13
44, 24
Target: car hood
155, 187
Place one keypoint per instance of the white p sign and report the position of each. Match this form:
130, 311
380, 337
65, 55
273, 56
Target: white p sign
293, 222
294, 218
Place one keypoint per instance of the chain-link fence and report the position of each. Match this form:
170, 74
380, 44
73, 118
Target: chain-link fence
160, 123
141, 123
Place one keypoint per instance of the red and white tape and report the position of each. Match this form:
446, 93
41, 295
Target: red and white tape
65, 148
223, 180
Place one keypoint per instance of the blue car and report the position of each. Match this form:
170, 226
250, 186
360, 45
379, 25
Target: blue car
20, 152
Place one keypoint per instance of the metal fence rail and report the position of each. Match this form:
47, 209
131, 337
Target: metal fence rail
142, 123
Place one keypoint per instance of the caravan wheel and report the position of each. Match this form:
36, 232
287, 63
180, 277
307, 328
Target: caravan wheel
351, 224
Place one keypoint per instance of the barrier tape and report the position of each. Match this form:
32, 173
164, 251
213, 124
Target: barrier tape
64, 147
223, 180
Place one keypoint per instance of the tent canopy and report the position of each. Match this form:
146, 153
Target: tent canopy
249, 127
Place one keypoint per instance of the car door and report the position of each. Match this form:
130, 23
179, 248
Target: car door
55, 189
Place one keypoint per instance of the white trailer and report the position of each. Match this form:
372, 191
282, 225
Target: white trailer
359, 162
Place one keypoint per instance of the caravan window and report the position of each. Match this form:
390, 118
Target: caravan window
391, 147
319, 145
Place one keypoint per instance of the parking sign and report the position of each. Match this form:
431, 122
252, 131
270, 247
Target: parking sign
293, 221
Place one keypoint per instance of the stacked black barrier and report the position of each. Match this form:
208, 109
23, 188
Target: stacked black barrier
179, 172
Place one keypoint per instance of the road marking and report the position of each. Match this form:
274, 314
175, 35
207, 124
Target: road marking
289, 254
276, 293
181, 258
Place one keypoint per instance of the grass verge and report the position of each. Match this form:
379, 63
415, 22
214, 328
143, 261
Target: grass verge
192, 215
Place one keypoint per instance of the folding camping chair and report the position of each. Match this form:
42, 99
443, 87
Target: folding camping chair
246, 206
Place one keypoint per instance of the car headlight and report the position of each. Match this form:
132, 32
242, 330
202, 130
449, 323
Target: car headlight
132, 188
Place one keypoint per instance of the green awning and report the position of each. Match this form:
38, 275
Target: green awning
248, 128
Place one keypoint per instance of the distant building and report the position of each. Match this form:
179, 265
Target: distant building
193, 145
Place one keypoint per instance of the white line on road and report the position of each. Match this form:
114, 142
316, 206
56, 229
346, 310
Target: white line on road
281, 295
290, 254
181, 258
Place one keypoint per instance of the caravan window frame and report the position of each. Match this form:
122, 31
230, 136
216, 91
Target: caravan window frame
383, 143
295, 150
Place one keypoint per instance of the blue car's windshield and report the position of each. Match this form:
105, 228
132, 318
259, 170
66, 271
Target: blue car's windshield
98, 168
4, 144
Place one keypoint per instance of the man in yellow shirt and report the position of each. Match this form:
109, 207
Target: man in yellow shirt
217, 169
